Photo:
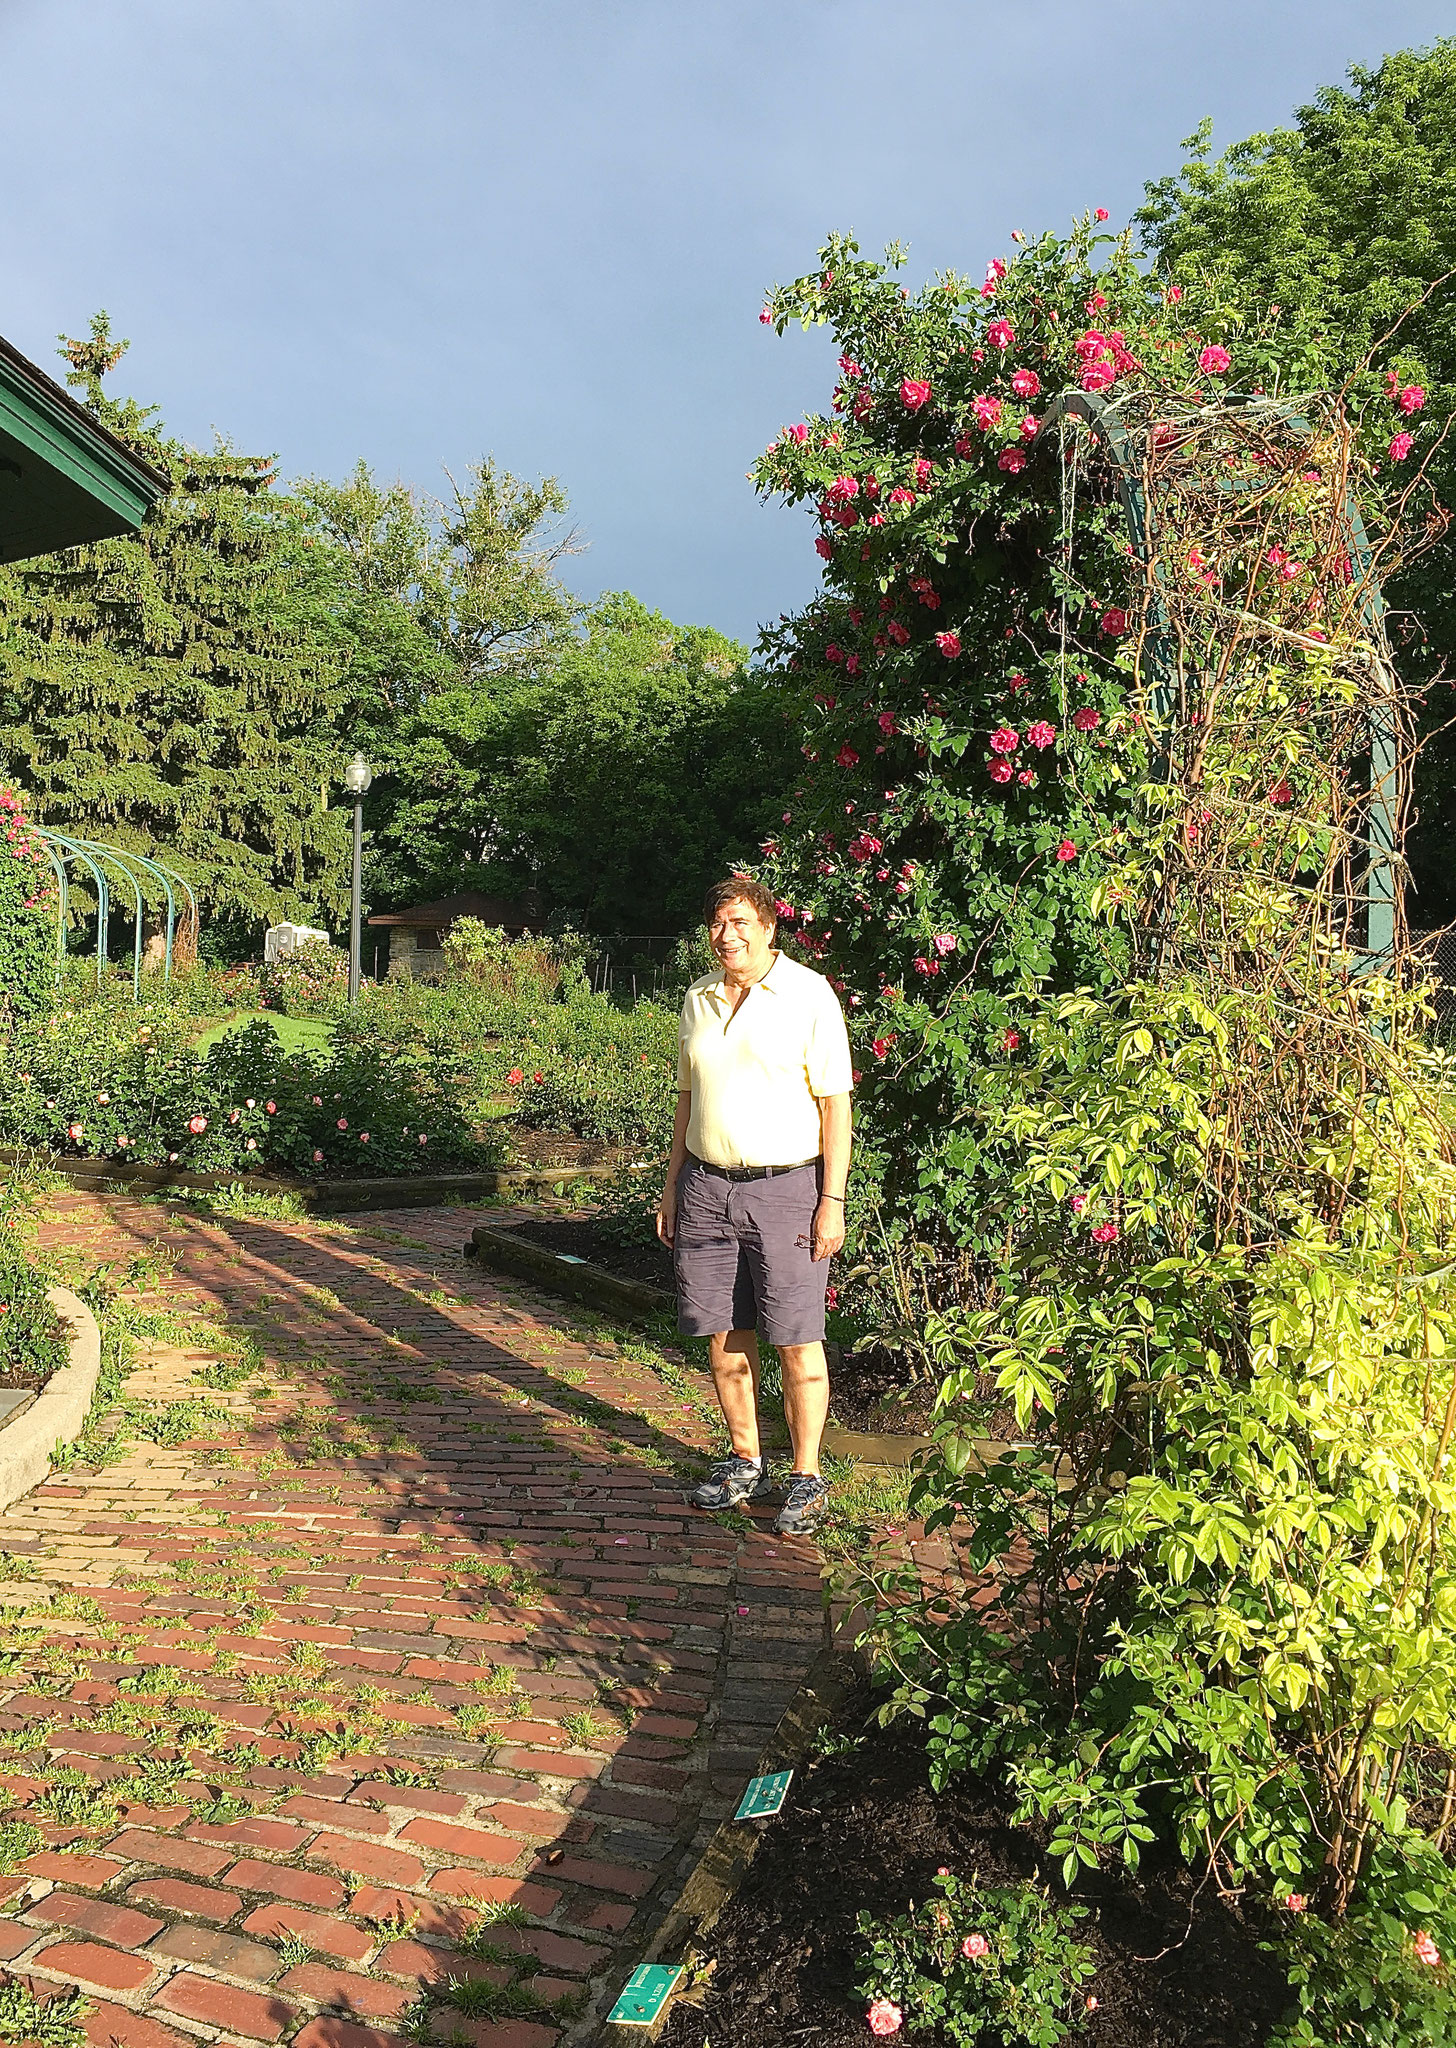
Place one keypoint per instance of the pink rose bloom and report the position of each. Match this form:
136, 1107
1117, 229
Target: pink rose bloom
1097, 376
999, 334
914, 394
1100, 214
887, 722
765, 318
1411, 399
847, 758
849, 367
363, 1138
799, 433
924, 966
945, 942
318, 1102
900, 496
897, 632
842, 490
881, 1047
1213, 360
1105, 1233
1004, 740
851, 667
1114, 621
75, 1131
1012, 460
995, 271
1010, 1039
1079, 1203
1026, 384
271, 1107
963, 445
343, 1123
999, 771
782, 909
197, 1125
1281, 793
317, 1157
1400, 447
1426, 1950
975, 1945
1175, 293
1017, 684
987, 411
1041, 734
824, 547
1086, 720
949, 644
833, 652
884, 2016
1294, 1902
1067, 851
923, 470
423, 1139
1026, 778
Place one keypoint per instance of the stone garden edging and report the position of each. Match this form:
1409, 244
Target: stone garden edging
318, 1197
58, 1412
504, 1252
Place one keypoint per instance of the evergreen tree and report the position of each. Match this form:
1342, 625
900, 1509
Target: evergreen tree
173, 691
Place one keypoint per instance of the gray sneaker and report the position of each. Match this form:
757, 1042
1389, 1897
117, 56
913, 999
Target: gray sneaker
807, 1498
733, 1481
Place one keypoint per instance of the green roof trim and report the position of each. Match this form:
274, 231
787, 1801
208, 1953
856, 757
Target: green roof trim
63, 478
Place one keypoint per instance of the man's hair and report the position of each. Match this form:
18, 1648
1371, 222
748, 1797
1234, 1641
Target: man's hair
740, 889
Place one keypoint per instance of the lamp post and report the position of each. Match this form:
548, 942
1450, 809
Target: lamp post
357, 778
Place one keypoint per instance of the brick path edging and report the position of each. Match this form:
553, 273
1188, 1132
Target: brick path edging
59, 1411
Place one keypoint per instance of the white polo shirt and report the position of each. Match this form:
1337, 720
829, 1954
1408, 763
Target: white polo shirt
757, 1073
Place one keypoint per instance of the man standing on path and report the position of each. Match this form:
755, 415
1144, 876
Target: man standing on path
753, 1209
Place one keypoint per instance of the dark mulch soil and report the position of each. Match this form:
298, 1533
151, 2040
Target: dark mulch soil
560, 1148
583, 1238
873, 1390
863, 1832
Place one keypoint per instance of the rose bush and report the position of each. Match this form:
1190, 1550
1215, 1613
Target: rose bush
1078, 838
27, 914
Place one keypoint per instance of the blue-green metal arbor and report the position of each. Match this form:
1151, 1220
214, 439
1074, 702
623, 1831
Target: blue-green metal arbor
1129, 445
95, 856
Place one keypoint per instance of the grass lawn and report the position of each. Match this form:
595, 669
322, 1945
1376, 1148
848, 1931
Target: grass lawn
295, 1034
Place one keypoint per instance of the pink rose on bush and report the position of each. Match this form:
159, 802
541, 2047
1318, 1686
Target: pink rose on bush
1012, 460
1041, 734
197, 1125
1105, 1233
75, 1132
1079, 1203
999, 771
898, 633
945, 942
999, 334
1100, 214
1114, 621
799, 433
824, 548
900, 496
1004, 740
886, 720
1067, 850
987, 411
1026, 384
1010, 1039
1213, 360
1411, 399
914, 394
949, 644
1281, 793
1086, 720
1097, 376
974, 1946
1426, 1950
842, 490
847, 757
1401, 446
317, 1156
884, 2016
1294, 1902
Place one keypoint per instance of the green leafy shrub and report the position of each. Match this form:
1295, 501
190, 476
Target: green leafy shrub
33, 1341
311, 981
27, 915
981, 1964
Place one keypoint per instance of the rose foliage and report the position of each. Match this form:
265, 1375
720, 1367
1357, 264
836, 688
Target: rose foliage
1079, 838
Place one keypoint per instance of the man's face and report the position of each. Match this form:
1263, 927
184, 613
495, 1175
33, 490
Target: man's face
740, 939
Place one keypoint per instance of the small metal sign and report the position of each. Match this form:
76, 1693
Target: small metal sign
569, 1259
764, 1796
644, 1995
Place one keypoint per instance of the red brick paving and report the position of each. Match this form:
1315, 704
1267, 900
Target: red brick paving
447, 1544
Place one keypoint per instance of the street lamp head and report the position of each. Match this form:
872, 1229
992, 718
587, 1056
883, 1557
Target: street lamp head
358, 776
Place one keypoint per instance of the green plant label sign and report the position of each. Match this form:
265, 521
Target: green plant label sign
764, 1796
644, 1995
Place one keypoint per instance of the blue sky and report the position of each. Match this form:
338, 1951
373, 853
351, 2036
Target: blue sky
425, 232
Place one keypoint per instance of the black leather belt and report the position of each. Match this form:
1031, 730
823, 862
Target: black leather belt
751, 1172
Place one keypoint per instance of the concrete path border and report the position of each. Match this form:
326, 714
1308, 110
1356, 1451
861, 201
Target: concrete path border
58, 1413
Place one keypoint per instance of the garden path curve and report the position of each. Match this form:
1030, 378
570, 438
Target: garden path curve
423, 1616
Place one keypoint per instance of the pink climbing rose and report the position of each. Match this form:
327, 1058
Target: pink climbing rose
1067, 850
914, 394
1114, 621
999, 771
1426, 1950
1401, 446
999, 334
842, 490
1026, 384
1086, 720
1105, 1233
1213, 360
1004, 740
799, 433
974, 1946
197, 1125
1041, 734
1411, 399
1097, 376
987, 411
884, 2016
1012, 460
1100, 214
945, 942
949, 644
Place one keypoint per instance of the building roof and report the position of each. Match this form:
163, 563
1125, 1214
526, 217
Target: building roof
63, 478
492, 910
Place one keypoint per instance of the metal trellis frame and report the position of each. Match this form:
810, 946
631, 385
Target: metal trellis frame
1381, 883
93, 854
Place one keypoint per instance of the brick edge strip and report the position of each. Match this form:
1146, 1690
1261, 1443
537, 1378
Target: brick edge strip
58, 1413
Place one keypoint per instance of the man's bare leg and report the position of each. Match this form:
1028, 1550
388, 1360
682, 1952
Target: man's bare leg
806, 1400
733, 1360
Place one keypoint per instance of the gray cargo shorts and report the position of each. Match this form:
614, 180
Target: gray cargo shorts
743, 1255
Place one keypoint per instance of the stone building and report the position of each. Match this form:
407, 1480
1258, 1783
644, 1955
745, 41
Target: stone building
416, 934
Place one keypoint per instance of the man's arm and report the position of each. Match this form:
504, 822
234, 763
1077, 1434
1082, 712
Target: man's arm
667, 1207
836, 1122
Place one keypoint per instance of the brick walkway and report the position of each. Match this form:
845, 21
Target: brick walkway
410, 1670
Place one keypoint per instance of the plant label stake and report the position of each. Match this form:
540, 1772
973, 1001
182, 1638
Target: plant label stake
764, 1796
644, 1995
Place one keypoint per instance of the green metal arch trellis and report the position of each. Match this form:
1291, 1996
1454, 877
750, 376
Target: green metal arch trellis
1381, 879
94, 855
